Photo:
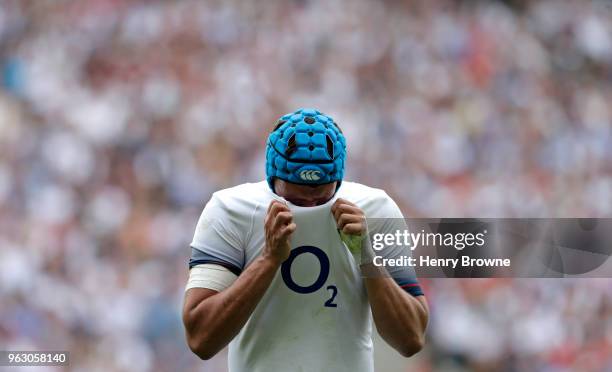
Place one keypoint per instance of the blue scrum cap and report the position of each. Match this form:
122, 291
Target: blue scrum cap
306, 147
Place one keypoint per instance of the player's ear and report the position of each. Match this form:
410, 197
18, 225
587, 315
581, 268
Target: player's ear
276, 184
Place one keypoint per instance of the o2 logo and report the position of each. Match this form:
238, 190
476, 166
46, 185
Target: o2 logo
321, 279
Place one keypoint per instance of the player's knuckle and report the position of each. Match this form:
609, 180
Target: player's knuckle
348, 218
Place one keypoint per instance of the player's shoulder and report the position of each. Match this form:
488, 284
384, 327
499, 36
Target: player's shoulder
246, 194
356, 192
245, 190
236, 205
373, 201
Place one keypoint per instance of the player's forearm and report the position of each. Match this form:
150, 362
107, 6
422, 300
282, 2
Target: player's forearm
400, 318
215, 321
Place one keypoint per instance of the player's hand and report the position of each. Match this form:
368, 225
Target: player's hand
278, 227
349, 218
351, 222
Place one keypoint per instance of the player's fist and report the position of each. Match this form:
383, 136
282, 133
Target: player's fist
349, 218
278, 227
351, 222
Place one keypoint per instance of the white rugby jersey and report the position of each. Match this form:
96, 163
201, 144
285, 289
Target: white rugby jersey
315, 315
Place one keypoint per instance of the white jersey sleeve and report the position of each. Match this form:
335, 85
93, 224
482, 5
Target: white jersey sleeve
220, 235
392, 220
384, 216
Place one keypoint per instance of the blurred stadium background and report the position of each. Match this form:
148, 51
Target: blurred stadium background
118, 119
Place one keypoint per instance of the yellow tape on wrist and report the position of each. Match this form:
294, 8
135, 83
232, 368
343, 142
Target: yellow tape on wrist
353, 242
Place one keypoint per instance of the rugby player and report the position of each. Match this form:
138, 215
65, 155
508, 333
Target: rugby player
281, 270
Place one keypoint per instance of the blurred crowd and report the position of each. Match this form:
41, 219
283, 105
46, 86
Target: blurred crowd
119, 118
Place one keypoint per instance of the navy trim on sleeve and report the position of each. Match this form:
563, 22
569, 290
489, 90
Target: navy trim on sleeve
228, 266
199, 257
412, 287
